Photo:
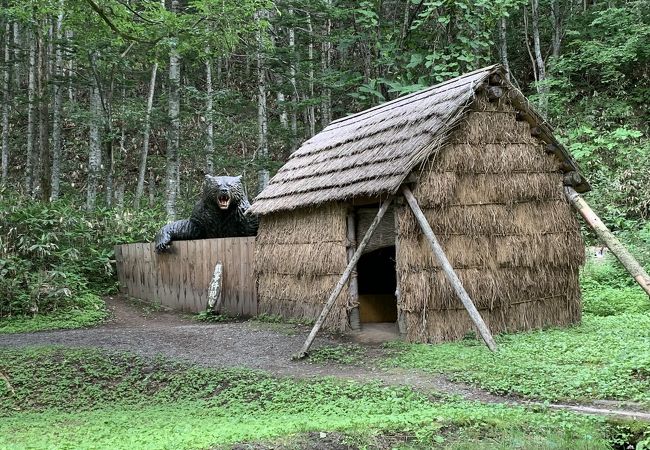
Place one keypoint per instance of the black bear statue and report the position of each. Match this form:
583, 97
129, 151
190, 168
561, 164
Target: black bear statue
219, 213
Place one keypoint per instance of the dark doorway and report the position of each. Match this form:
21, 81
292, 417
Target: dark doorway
377, 283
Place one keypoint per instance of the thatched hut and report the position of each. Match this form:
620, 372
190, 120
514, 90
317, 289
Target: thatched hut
488, 174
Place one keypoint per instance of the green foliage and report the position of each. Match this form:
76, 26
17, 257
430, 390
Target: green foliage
340, 354
599, 103
604, 357
54, 256
87, 309
608, 290
55, 398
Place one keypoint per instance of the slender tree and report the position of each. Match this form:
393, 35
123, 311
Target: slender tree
58, 104
295, 95
17, 50
209, 121
173, 135
30, 160
326, 61
45, 160
262, 116
503, 45
94, 147
542, 88
146, 135
311, 109
6, 102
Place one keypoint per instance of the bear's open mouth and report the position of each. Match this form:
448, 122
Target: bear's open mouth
223, 201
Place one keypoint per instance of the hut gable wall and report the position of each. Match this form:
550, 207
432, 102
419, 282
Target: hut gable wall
495, 200
299, 257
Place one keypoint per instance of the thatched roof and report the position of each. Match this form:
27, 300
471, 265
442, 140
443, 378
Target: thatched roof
371, 153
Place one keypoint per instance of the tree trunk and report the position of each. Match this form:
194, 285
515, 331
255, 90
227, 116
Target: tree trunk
311, 111
557, 30
209, 123
326, 61
69, 34
503, 45
95, 147
173, 137
282, 106
58, 103
152, 189
43, 120
30, 160
295, 97
542, 89
262, 117
139, 190
17, 47
281, 99
6, 101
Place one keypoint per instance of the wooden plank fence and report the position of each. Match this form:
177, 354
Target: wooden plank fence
180, 279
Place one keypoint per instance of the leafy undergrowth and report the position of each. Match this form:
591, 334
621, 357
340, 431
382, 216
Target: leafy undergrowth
338, 354
607, 356
89, 310
59, 398
55, 258
603, 358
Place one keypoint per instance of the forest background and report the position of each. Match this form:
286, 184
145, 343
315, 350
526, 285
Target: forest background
113, 110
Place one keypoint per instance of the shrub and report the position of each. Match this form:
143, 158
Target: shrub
53, 254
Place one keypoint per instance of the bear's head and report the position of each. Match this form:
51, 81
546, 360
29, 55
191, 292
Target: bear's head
225, 192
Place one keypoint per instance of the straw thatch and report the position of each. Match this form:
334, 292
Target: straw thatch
372, 152
298, 259
492, 192
495, 200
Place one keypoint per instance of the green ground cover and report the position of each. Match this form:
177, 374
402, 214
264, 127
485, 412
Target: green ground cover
607, 356
88, 310
86, 399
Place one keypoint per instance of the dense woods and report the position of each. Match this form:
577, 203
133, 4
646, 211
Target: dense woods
117, 108
109, 102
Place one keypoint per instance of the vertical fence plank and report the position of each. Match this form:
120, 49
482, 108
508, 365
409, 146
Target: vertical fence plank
180, 279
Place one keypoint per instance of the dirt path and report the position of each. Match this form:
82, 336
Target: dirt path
262, 346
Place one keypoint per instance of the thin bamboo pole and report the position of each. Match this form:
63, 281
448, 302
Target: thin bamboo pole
344, 278
618, 249
449, 271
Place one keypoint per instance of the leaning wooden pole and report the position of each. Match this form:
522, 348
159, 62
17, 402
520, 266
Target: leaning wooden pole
618, 249
344, 278
449, 271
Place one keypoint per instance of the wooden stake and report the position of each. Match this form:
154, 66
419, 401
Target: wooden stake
215, 289
618, 249
354, 284
449, 271
344, 278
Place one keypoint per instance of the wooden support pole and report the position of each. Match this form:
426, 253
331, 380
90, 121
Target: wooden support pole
353, 306
344, 278
618, 249
449, 271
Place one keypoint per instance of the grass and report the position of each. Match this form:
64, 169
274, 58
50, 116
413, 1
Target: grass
91, 311
607, 356
59, 398
338, 354
603, 358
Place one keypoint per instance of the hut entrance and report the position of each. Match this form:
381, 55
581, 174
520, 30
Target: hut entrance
377, 284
